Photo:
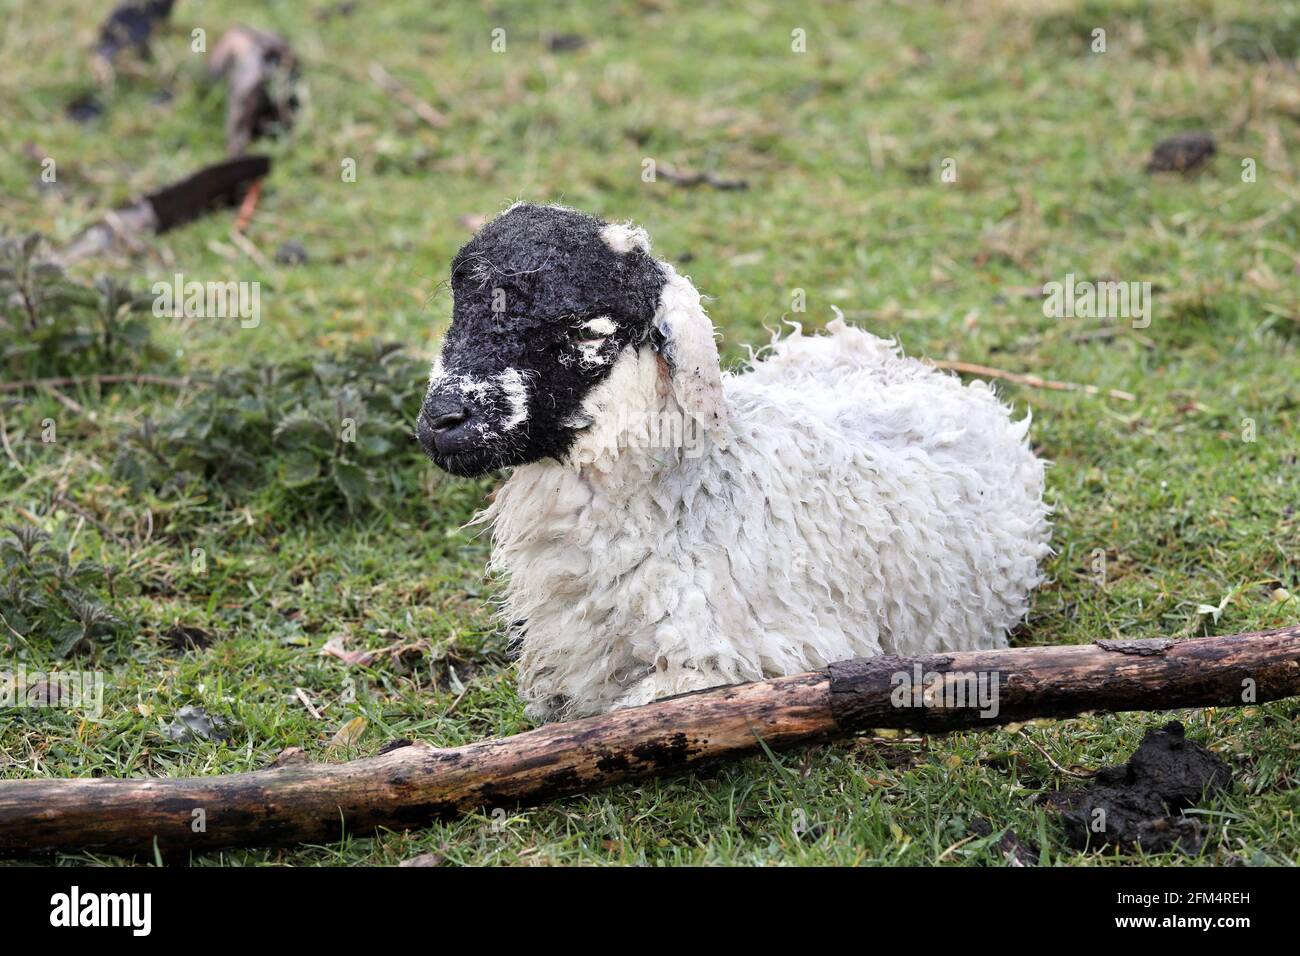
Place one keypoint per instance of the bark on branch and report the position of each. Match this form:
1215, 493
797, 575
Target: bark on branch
413, 784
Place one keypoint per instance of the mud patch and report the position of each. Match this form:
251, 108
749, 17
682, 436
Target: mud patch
84, 109
1141, 803
185, 637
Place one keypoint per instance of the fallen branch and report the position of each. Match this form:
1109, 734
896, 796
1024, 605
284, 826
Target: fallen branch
414, 783
222, 184
142, 379
1033, 381
689, 177
9, 450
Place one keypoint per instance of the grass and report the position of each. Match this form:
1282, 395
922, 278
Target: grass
1162, 506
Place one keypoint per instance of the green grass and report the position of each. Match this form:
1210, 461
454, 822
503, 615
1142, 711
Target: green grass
842, 146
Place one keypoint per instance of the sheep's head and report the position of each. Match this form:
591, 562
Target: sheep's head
546, 302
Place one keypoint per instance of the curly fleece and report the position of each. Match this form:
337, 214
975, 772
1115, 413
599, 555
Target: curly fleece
834, 499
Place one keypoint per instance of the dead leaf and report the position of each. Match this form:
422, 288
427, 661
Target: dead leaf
348, 735
334, 647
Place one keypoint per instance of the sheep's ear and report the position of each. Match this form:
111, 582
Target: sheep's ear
685, 337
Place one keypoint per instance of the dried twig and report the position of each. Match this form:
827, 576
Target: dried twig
1020, 378
10, 628
81, 512
306, 702
1081, 774
75, 407
390, 84
4, 440
142, 379
685, 177
249, 248
455, 703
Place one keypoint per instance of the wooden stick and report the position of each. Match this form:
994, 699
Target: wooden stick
685, 177
419, 107
248, 206
414, 783
4, 442
1033, 381
142, 379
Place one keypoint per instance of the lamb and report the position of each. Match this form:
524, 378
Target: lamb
669, 527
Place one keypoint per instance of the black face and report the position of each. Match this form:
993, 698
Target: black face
543, 306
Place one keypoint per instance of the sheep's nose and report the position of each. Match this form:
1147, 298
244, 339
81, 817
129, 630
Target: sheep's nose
448, 422
442, 427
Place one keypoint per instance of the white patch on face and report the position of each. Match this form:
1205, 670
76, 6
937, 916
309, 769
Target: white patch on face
589, 355
473, 388
623, 237
509, 385
512, 386
435, 372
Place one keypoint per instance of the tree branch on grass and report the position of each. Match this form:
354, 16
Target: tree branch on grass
411, 784
1033, 381
142, 379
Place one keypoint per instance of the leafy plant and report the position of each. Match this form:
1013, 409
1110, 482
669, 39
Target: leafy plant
51, 325
326, 432
46, 596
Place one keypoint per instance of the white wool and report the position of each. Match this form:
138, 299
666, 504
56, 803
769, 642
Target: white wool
839, 501
589, 351
690, 349
589, 354
515, 391
623, 237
